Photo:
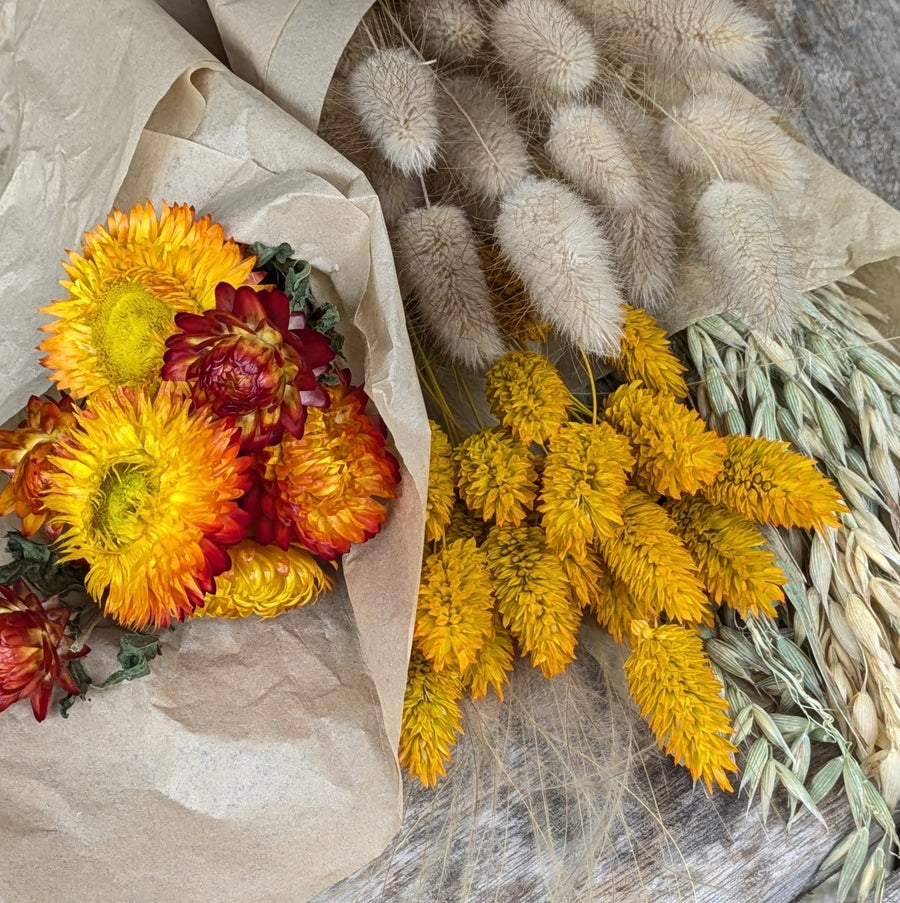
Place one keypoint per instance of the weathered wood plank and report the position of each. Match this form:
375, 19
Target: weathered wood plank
835, 67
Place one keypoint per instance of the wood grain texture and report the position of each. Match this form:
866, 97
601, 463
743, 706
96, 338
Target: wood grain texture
835, 69
483, 835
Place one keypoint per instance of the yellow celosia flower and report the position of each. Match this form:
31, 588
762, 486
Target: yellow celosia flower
674, 451
614, 606
146, 492
582, 483
765, 481
649, 558
514, 312
493, 665
265, 581
527, 395
729, 552
431, 719
465, 525
496, 476
670, 678
454, 617
645, 355
533, 596
125, 288
441, 484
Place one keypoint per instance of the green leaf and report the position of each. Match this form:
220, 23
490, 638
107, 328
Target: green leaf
38, 565
82, 679
136, 651
281, 254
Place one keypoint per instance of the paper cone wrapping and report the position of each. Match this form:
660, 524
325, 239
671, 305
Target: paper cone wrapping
258, 761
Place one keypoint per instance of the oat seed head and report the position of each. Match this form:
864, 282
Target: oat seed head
437, 253
394, 93
555, 245
546, 49
741, 241
715, 137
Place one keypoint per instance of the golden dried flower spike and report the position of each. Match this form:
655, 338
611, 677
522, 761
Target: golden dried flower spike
645, 355
533, 596
583, 480
649, 558
527, 395
670, 678
496, 476
729, 552
441, 485
674, 451
493, 664
765, 481
432, 719
454, 615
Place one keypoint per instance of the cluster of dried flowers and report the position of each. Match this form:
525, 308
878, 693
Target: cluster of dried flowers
209, 454
542, 162
637, 513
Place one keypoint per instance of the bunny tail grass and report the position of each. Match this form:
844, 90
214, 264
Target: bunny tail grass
394, 94
546, 49
438, 256
555, 245
741, 241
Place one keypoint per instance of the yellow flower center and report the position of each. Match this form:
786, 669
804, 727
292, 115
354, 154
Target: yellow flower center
121, 500
127, 328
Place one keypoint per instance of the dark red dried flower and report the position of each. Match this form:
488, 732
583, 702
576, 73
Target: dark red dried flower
250, 359
33, 648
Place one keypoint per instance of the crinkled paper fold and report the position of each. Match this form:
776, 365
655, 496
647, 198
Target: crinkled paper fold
258, 761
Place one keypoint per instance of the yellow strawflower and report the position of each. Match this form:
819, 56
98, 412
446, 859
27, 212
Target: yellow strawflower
674, 451
614, 606
454, 616
496, 476
647, 555
765, 481
670, 679
533, 596
514, 312
645, 354
265, 581
124, 289
441, 484
738, 571
146, 492
527, 395
583, 480
431, 719
493, 664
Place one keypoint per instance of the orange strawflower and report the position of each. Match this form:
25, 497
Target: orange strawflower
24, 454
329, 482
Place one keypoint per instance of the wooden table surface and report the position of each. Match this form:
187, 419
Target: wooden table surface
484, 834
